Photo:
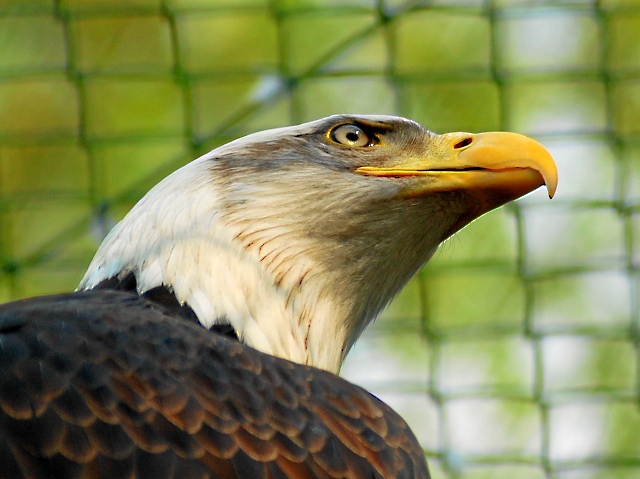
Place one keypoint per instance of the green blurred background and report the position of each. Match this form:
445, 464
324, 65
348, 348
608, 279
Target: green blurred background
514, 354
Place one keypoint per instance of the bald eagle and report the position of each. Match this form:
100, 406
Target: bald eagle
205, 337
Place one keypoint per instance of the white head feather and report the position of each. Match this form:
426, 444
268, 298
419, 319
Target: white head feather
274, 234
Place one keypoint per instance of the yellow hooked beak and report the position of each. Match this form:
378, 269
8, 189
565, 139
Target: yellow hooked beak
490, 168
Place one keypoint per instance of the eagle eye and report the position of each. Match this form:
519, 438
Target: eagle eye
351, 135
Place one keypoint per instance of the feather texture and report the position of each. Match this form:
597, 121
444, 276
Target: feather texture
108, 384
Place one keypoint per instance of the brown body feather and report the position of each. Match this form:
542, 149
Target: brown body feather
107, 384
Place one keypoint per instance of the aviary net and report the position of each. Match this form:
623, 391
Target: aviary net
514, 354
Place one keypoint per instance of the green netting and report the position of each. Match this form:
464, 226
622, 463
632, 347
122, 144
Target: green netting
514, 354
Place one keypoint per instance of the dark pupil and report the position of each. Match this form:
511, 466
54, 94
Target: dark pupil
353, 135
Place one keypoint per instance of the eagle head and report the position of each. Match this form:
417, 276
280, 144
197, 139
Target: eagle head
298, 237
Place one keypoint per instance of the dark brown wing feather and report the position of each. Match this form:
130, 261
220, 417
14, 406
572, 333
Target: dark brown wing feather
105, 384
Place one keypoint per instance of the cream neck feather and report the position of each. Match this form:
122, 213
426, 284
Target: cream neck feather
188, 244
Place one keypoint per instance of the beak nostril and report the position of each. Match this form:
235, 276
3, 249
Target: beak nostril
462, 143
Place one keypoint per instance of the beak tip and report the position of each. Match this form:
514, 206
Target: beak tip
551, 189
551, 181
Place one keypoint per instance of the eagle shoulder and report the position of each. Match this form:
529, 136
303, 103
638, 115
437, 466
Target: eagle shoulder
107, 382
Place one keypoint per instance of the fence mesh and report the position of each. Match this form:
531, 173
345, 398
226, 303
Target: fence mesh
514, 354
